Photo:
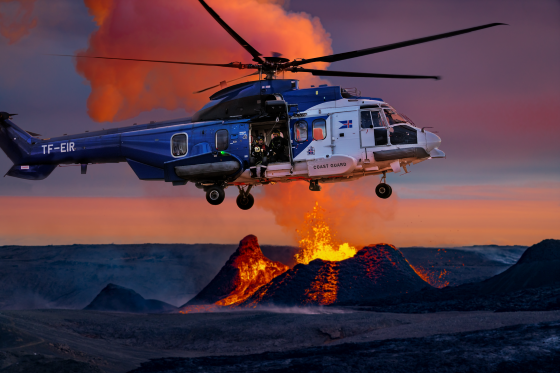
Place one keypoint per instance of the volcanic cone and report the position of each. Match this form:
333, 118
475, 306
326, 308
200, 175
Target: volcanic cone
121, 299
375, 271
538, 266
245, 272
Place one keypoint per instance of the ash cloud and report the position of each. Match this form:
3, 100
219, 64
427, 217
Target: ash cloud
16, 19
184, 31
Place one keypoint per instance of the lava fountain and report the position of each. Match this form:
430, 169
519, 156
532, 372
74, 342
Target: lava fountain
318, 242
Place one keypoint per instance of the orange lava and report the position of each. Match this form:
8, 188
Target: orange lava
318, 242
253, 271
434, 277
324, 288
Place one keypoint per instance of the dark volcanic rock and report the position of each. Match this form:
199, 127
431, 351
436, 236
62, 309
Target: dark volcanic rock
246, 271
514, 349
121, 299
538, 266
16, 362
376, 271
532, 284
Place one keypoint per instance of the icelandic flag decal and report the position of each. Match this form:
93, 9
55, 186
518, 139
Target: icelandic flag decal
345, 124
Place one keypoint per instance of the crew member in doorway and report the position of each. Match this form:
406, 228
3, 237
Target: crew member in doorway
276, 151
258, 155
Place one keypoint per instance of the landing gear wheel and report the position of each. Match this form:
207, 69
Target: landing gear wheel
215, 195
245, 202
383, 190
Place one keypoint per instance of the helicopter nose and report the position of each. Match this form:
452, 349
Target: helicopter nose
433, 141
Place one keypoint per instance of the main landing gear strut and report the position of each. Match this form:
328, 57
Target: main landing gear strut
245, 199
215, 195
382, 189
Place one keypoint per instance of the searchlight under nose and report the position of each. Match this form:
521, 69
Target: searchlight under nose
433, 141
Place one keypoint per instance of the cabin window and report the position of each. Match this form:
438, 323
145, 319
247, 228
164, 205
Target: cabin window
319, 129
301, 131
179, 144
402, 135
222, 137
393, 117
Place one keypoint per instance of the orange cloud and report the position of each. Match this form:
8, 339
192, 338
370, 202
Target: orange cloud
184, 31
16, 19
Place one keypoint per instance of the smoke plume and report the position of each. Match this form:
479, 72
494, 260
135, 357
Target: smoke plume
15, 19
352, 210
184, 31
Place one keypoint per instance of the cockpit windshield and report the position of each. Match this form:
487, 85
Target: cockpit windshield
393, 117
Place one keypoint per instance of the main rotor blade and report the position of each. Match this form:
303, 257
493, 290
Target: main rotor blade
234, 34
217, 85
360, 75
383, 48
235, 65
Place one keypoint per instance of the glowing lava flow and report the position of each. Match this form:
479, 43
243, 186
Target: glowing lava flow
434, 278
318, 241
324, 288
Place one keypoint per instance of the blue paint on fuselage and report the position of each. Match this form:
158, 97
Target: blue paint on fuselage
150, 144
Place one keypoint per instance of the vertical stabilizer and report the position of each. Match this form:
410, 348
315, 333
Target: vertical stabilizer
14, 141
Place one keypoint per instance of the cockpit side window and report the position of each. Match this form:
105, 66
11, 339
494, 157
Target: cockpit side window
222, 139
366, 119
319, 129
300, 129
402, 135
179, 145
371, 119
393, 117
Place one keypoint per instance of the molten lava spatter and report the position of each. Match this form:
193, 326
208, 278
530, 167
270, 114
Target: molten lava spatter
324, 288
376, 271
318, 242
243, 274
435, 278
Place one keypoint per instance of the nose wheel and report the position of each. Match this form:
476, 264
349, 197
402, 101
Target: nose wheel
245, 200
382, 189
215, 195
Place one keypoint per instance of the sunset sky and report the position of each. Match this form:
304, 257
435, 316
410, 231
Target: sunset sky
497, 110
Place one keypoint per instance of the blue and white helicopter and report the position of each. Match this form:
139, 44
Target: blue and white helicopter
334, 134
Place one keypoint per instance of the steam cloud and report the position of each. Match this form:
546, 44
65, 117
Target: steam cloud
184, 31
15, 19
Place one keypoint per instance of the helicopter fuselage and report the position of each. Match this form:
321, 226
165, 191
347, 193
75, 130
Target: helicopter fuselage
332, 138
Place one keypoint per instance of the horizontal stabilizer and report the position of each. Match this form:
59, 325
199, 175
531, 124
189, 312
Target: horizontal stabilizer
32, 133
31, 172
